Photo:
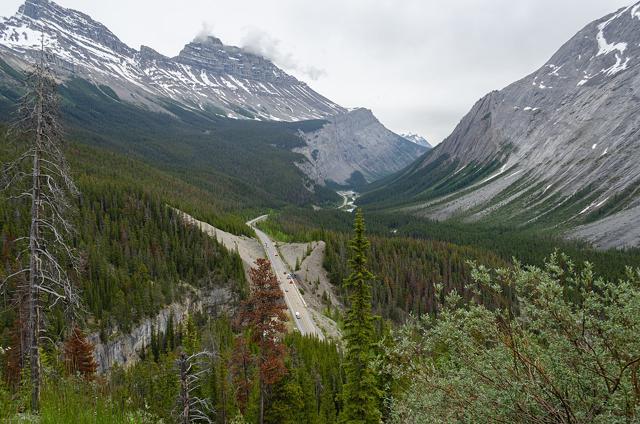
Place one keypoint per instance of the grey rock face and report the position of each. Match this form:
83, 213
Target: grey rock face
355, 143
125, 349
206, 75
567, 138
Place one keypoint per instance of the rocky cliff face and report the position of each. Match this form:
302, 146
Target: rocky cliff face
559, 147
206, 75
125, 349
354, 147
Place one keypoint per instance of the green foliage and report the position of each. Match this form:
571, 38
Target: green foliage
407, 268
72, 400
360, 394
411, 254
137, 254
311, 390
421, 183
565, 350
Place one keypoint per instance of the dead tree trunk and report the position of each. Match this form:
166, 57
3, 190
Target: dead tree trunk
33, 320
191, 369
41, 175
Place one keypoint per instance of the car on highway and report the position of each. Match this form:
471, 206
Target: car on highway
297, 314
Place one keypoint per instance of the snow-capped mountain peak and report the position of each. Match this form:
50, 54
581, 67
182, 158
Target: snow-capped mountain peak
206, 74
417, 139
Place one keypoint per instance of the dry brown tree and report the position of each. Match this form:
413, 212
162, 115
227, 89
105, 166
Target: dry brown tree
263, 314
78, 354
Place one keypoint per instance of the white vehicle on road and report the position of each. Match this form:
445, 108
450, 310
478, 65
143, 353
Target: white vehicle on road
297, 314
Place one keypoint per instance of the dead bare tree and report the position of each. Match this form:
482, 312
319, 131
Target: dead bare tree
191, 408
41, 175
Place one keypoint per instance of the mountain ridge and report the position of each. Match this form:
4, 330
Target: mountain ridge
206, 77
417, 139
558, 148
230, 81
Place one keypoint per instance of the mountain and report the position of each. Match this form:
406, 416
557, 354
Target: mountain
206, 78
417, 139
559, 148
205, 75
354, 148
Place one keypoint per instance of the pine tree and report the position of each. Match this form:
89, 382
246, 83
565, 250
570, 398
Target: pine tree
360, 393
242, 372
78, 354
264, 315
190, 340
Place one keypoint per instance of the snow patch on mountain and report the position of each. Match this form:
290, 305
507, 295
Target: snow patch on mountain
205, 75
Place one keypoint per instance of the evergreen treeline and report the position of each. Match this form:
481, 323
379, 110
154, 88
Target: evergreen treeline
411, 255
136, 254
406, 271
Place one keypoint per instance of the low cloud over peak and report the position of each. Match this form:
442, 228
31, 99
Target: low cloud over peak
261, 43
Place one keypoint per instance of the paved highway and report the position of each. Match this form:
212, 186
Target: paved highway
292, 296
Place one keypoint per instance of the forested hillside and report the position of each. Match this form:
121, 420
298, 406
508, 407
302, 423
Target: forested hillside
136, 253
216, 154
119, 305
136, 256
410, 256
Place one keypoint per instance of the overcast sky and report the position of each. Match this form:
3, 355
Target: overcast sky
418, 64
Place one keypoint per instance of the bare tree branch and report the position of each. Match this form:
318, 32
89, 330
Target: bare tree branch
41, 175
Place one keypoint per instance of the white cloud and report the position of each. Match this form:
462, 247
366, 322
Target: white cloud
261, 43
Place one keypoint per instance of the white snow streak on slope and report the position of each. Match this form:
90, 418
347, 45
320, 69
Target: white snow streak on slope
504, 168
605, 47
25, 37
594, 205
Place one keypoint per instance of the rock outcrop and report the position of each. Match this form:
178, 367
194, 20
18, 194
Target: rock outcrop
125, 349
355, 148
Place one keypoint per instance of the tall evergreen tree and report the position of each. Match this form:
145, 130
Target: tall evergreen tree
360, 395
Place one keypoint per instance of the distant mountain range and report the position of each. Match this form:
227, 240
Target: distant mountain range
206, 77
559, 148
